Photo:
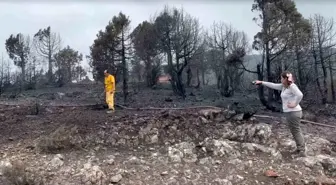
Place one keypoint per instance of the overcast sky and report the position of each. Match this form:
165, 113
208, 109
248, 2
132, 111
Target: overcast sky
79, 22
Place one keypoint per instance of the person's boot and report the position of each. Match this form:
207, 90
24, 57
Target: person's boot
110, 111
300, 153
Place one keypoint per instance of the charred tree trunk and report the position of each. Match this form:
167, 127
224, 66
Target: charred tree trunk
300, 82
332, 88
198, 79
276, 94
267, 56
2, 75
153, 77
34, 72
261, 91
203, 76
173, 82
179, 83
261, 88
269, 75
69, 75
124, 64
50, 64
219, 79
23, 73
23, 78
324, 98
149, 76
226, 84
325, 84
189, 77
177, 78
180, 89
171, 71
324, 69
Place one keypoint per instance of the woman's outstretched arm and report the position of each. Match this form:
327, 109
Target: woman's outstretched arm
276, 86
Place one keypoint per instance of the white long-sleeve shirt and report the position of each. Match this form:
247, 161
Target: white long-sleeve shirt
290, 94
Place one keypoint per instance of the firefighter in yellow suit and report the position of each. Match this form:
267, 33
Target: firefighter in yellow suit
109, 90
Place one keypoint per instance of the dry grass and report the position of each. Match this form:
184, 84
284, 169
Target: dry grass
62, 138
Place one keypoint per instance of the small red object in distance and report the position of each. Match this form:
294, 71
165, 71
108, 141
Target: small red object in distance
271, 173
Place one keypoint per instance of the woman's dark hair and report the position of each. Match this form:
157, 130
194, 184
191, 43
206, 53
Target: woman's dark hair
288, 77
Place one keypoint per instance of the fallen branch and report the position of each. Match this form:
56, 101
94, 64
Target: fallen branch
264, 116
302, 120
169, 108
118, 105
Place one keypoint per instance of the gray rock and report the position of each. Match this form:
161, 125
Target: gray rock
235, 161
57, 161
243, 111
172, 181
320, 162
149, 134
252, 147
235, 178
182, 151
175, 155
252, 133
209, 114
238, 117
317, 145
239, 164
329, 166
116, 178
287, 144
203, 120
154, 139
60, 95
221, 147
110, 160
5, 164
135, 160
92, 174
219, 181
164, 173
206, 160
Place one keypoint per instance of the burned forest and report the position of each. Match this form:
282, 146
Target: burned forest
187, 110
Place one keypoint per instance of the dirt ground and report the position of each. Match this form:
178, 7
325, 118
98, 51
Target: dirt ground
48, 138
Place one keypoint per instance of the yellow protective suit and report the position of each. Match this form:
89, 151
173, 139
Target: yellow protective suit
110, 90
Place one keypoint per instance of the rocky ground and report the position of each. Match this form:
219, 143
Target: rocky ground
49, 144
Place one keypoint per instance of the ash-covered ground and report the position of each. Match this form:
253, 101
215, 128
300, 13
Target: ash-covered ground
59, 136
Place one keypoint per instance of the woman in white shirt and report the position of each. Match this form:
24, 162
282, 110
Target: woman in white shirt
291, 97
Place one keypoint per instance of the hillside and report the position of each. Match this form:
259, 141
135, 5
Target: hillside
67, 138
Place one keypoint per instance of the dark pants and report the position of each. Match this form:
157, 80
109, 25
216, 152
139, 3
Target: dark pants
293, 121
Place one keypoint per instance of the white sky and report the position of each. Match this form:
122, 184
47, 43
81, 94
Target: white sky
79, 22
